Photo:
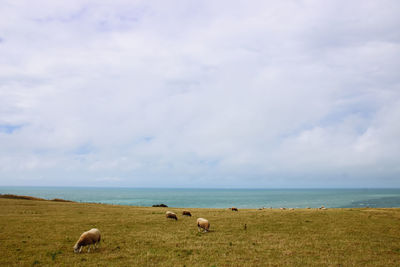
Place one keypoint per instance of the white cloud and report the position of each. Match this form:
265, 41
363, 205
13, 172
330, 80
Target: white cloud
200, 94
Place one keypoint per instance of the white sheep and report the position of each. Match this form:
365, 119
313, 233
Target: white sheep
91, 237
203, 224
170, 214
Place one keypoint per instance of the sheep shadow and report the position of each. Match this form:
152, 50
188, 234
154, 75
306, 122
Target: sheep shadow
204, 233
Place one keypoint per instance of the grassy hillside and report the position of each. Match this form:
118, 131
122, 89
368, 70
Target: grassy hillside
36, 233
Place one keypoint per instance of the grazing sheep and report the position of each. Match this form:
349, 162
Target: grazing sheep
234, 209
171, 215
91, 237
187, 213
203, 224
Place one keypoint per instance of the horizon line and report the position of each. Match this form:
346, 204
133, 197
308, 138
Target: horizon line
209, 188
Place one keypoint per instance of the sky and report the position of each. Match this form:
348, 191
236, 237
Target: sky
200, 94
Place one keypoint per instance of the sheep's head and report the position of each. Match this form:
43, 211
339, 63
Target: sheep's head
77, 248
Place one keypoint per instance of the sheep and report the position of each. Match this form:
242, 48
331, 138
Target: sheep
187, 213
203, 224
170, 214
234, 209
91, 237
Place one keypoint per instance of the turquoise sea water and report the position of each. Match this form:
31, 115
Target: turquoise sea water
219, 198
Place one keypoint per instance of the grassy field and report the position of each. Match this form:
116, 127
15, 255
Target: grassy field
37, 233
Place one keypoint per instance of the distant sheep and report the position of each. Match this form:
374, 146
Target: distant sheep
171, 215
234, 209
186, 213
91, 237
203, 224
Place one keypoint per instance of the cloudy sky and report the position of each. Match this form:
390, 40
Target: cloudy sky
231, 94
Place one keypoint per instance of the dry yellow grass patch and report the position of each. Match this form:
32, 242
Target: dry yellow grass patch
37, 233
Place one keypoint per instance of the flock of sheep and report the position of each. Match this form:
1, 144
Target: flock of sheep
93, 236
202, 224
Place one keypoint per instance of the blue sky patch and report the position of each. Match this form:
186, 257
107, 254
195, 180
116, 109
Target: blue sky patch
84, 149
9, 128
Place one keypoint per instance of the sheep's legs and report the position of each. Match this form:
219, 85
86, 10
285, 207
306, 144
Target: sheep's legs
93, 246
202, 229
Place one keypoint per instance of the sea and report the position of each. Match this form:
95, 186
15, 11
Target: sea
218, 198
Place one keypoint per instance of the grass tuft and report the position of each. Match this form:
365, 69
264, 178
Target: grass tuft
53, 255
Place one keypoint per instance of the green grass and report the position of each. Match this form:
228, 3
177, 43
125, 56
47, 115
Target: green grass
40, 233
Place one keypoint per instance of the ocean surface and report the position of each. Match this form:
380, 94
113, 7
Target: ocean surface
219, 198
